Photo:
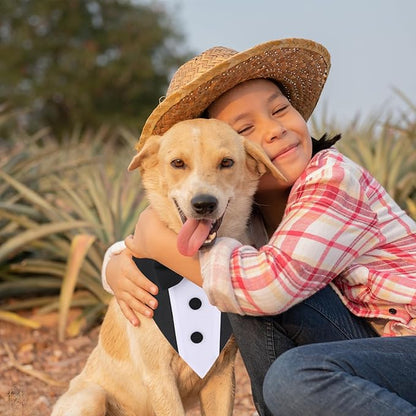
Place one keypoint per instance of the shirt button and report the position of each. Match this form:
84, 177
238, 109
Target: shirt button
197, 337
393, 311
195, 303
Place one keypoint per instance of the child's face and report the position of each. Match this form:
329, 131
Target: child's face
258, 110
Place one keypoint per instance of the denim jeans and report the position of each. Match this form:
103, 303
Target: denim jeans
366, 377
320, 318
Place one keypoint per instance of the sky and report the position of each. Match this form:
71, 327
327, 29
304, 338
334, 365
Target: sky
372, 44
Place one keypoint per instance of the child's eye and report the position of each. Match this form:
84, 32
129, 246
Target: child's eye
244, 130
280, 109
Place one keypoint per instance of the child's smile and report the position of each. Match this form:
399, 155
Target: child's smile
258, 110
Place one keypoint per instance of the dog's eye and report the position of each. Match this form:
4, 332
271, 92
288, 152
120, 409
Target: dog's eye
226, 163
177, 163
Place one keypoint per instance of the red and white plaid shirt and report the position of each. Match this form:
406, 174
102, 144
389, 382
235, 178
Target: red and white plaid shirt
339, 227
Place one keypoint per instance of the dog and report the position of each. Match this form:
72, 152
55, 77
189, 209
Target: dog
199, 173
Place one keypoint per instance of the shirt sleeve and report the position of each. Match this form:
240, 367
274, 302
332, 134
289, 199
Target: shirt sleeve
216, 279
327, 224
114, 249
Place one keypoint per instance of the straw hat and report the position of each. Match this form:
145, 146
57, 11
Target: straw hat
301, 66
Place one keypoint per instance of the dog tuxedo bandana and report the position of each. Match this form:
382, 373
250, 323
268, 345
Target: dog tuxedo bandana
196, 329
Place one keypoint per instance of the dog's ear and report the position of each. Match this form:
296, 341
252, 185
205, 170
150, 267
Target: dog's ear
258, 162
147, 153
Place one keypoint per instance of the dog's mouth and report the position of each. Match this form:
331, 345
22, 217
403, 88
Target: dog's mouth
196, 233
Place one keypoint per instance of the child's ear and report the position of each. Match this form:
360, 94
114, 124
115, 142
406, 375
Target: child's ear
258, 162
146, 157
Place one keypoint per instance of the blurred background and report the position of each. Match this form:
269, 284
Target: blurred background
372, 43
78, 78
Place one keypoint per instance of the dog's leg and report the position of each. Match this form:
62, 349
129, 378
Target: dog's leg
165, 397
155, 360
217, 395
81, 400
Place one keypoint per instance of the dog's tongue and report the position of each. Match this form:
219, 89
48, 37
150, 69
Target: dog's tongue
192, 235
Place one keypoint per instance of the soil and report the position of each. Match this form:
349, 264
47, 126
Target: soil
35, 368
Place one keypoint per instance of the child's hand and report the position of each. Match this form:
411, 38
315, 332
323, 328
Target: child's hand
131, 288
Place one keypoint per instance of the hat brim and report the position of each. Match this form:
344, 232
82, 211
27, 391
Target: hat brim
300, 65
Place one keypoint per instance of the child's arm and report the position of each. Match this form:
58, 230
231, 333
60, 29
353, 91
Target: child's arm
133, 291
121, 276
152, 239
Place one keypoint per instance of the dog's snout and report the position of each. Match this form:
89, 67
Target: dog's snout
204, 204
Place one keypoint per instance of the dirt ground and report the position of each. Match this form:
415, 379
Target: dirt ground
35, 369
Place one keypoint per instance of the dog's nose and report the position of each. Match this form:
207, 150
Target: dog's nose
204, 204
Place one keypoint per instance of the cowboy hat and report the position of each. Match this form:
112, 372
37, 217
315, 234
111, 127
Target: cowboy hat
300, 66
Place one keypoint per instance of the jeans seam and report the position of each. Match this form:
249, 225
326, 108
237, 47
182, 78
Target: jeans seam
373, 398
271, 351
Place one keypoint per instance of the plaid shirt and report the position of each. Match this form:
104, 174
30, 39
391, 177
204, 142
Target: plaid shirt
340, 227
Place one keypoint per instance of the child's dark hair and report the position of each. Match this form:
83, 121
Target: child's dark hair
323, 143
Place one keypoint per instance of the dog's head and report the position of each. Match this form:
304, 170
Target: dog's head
198, 172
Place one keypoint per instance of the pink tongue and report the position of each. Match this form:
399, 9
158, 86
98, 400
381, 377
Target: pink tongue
192, 235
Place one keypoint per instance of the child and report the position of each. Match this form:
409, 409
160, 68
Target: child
334, 238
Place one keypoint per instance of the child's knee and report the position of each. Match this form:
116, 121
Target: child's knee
282, 383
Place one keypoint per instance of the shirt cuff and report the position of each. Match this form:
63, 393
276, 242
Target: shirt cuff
216, 276
113, 250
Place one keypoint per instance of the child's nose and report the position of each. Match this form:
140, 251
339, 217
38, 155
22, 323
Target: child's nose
274, 131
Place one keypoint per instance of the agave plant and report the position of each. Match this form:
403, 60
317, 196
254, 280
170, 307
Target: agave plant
61, 206
389, 155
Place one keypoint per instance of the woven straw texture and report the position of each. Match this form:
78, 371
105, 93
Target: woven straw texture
300, 65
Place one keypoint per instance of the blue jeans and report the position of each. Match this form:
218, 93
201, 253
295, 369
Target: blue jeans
320, 318
366, 377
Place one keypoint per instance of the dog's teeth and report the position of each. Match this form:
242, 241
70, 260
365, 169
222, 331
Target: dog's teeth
211, 238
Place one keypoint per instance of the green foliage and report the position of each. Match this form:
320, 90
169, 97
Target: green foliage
86, 62
61, 207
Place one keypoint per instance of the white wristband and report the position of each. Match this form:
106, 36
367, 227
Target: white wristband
113, 250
